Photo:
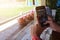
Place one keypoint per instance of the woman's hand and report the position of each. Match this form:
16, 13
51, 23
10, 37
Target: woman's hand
53, 24
35, 32
36, 29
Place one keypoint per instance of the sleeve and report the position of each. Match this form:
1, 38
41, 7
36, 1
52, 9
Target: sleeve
46, 34
35, 38
42, 36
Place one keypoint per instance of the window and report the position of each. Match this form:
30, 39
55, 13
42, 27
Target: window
29, 2
37, 2
9, 9
34, 2
58, 3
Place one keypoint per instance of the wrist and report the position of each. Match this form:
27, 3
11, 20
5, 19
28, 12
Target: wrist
35, 37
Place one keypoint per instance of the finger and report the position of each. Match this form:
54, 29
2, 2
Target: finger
47, 22
50, 18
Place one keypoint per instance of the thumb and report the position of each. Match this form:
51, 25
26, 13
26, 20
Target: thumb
47, 22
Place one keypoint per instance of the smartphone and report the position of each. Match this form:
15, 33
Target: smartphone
42, 16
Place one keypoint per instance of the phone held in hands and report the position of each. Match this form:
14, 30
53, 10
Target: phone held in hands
41, 15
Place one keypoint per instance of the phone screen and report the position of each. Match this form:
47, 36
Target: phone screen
41, 15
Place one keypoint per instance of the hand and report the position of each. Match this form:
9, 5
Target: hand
50, 21
53, 24
36, 29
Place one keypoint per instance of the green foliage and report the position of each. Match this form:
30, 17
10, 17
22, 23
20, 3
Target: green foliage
51, 3
57, 18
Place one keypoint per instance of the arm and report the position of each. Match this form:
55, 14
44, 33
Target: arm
36, 31
53, 25
56, 27
35, 37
